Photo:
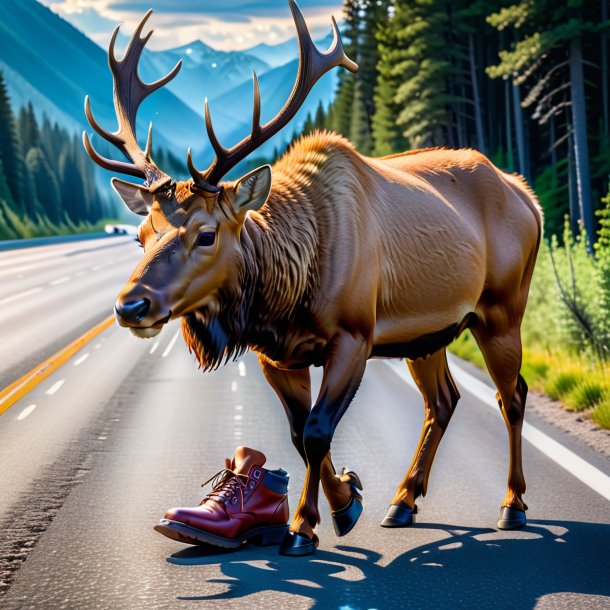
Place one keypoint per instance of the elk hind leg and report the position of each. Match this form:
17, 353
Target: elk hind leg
502, 352
440, 394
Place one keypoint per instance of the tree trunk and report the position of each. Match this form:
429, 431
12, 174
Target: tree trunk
581, 150
478, 117
520, 132
572, 187
604, 67
552, 148
510, 158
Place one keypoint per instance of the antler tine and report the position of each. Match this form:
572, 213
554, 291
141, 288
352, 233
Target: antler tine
219, 149
129, 92
114, 166
313, 64
256, 110
148, 149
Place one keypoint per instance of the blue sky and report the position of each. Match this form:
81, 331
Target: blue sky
223, 24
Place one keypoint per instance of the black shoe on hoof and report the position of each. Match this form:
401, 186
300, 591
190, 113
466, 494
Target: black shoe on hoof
298, 545
399, 516
511, 518
345, 519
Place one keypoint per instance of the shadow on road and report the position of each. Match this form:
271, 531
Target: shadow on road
470, 568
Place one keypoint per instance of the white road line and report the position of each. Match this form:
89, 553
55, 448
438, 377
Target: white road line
153, 349
234, 386
237, 417
97, 346
20, 295
55, 387
242, 369
568, 460
79, 274
239, 407
26, 412
168, 349
80, 360
237, 433
96, 267
61, 280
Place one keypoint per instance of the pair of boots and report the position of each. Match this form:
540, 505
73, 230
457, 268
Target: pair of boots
247, 503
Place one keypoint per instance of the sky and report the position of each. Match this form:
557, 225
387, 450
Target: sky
223, 24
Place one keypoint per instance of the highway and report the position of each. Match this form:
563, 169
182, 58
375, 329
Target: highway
93, 456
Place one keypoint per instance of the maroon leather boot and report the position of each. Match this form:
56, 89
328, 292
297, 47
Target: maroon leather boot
247, 503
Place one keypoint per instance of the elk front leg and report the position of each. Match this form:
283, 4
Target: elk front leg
343, 372
293, 388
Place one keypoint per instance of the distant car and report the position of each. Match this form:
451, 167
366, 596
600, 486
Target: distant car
121, 229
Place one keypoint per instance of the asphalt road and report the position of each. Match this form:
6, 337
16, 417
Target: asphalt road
93, 456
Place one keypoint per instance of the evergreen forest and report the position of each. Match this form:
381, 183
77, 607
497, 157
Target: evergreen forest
47, 182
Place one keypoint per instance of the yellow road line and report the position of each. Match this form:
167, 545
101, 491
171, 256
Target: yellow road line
18, 389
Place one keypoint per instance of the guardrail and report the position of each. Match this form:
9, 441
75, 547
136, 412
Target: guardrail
15, 244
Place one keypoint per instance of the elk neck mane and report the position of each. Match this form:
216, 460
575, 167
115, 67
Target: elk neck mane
280, 265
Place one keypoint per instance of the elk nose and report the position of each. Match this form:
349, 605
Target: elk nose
132, 311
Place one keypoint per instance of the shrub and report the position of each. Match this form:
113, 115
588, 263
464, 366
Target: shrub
601, 414
585, 394
560, 383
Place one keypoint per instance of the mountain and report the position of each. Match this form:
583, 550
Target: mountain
48, 61
205, 72
275, 88
279, 54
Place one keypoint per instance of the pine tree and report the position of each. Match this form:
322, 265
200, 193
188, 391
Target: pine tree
548, 33
45, 182
387, 134
72, 189
9, 148
342, 105
359, 133
29, 133
319, 120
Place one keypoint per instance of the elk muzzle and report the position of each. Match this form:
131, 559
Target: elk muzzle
143, 312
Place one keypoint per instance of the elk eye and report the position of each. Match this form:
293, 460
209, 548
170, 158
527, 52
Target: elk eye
206, 239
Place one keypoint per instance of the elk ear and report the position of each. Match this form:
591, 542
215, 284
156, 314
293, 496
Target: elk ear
252, 190
137, 198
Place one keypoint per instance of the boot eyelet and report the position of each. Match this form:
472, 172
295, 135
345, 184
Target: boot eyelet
233, 500
252, 484
256, 474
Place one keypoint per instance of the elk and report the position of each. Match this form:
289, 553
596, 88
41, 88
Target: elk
337, 259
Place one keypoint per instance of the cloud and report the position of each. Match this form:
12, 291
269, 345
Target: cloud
227, 25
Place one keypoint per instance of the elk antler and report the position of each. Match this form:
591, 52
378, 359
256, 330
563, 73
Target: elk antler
129, 92
312, 66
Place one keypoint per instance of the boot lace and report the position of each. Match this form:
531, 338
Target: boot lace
225, 484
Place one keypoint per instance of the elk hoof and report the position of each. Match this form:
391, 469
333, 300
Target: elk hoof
511, 518
298, 545
345, 519
399, 516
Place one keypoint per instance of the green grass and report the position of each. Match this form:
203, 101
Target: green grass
586, 394
559, 383
601, 413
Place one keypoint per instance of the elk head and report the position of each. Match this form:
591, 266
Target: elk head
192, 231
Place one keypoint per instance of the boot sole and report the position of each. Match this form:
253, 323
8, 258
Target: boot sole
263, 536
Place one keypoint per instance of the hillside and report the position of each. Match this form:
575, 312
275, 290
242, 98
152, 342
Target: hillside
62, 65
